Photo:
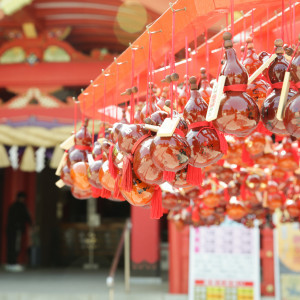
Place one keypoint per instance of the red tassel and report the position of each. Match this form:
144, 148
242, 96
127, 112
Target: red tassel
156, 204
262, 129
243, 190
195, 214
105, 193
220, 162
95, 192
246, 156
278, 138
117, 192
223, 142
169, 176
226, 195
113, 170
194, 175
295, 154
126, 180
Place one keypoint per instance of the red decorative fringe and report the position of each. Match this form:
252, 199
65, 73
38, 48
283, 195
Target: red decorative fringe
194, 175
246, 156
169, 176
295, 154
105, 193
223, 142
243, 190
156, 204
95, 192
126, 180
220, 162
117, 192
226, 195
195, 214
262, 129
113, 170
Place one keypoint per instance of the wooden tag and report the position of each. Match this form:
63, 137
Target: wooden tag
90, 158
167, 109
68, 143
261, 68
168, 127
60, 183
152, 127
215, 99
283, 96
61, 164
268, 148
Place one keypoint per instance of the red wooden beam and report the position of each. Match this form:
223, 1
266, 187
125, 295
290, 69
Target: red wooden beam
50, 74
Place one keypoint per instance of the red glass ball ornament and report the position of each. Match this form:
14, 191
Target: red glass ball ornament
143, 166
236, 211
79, 176
105, 178
140, 194
255, 143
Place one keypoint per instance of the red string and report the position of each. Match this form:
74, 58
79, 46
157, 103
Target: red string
291, 27
83, 105
75, 116
260, 32
282, 20
226, 21
252, 23
148, 73
207, 54
245, 52
173, 60
116, 90
232, 16
138, 86
244, 28
268, 29
293, 56
186, 67
93, 124
221, 56
132, 82
104, 105
294, 22
165, 64
195, 39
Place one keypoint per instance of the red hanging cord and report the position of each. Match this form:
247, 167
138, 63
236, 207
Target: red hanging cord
226, 21
186, 67
232, 17
148, 73
244, 28
282, 19
75, 115
195, 39
173, 60
252, 23
132, 82
94, 108
207, 54
83, 105
116, 89
138, 92
293, 56
291, 26
221, 57
268, 30
294, 23
104, 105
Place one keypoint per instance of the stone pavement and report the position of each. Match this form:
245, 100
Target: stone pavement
72, 284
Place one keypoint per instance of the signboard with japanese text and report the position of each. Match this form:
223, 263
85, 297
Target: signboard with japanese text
224, 262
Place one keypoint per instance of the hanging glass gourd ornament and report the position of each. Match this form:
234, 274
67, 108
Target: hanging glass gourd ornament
291, 115
238, 113
276, 74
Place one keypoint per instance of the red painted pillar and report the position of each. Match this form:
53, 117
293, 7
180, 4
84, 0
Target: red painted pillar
267, 262
145, 243
178, 259
16, 181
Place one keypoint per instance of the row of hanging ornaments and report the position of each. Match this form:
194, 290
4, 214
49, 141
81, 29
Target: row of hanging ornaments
217, 156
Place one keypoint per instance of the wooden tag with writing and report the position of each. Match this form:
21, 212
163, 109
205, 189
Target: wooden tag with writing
68, 143
61, 164
261, 68
215, 99
60, 183
283, 96
168, 127
152, 127
90, 158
